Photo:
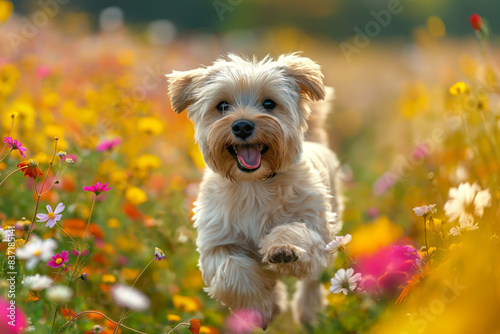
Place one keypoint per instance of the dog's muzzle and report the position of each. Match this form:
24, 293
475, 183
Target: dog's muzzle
248, 156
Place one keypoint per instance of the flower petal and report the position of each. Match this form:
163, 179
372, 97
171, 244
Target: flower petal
60, 208
42, 217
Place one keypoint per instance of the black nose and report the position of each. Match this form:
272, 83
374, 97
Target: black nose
243, 128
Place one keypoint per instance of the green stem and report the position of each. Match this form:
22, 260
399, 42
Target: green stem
80, 249
12, 173
59, 227
99, 313
5, 156
425, 237
88, 222
54, 320
187, 324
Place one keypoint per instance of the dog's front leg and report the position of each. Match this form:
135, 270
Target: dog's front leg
240, 282
295, 250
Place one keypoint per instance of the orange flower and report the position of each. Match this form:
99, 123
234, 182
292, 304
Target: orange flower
30, 168
194, 326
67, 313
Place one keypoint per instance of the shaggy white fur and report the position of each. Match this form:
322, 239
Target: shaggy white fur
260, 224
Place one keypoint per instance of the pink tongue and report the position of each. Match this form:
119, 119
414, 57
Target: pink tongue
249, 156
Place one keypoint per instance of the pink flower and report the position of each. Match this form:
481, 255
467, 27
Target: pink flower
42, 71
58, 260
421, 151
97, 188
12, 318
245, 321
108, 145
52, 217
15, 145
388, 269
384, 183
70, 157
75, 252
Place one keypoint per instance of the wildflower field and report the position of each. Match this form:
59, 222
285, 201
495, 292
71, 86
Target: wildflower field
99, 175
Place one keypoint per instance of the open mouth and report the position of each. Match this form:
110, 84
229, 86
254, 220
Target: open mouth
248, 157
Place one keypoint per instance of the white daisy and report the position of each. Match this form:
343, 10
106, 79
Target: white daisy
425, 209
345, 281
461, 228
51, 217
338, 244
467, 201
36, 249
129, 297
59, 294
37, 282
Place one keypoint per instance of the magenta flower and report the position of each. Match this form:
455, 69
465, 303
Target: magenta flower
52, 217
12, 323
58, 260
15, 145
108, 145
388, 269
97, 188
75, 252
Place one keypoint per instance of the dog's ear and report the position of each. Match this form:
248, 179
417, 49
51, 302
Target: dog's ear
306, 73
181, 86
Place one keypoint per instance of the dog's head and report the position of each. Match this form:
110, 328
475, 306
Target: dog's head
249, 116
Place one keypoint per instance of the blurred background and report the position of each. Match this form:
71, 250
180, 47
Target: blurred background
92, 73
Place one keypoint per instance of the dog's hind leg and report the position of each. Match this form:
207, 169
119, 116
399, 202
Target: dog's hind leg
308, 300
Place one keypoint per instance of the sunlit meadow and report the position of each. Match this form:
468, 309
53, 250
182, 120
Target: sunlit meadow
98, 178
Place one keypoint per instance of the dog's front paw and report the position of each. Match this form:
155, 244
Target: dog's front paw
282, 254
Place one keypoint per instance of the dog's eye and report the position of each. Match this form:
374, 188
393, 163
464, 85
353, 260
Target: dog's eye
269, 104
223, 106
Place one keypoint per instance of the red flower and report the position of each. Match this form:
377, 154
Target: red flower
194, 326
30, 168
476, 22
67, 313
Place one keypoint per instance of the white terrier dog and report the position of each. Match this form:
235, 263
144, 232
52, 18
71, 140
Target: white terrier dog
269, 202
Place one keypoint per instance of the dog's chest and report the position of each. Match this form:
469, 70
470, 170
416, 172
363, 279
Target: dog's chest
254, 209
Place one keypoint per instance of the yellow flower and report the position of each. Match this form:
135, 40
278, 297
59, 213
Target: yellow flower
129, 273
173, 318
6, 9
135, 195
454, 247
185, 304
197, 157
148, 161
459, 88
108, 278
118, 179
205, 330
414, 99
150, 126
371, 237
434, 224
25, 114
113, 222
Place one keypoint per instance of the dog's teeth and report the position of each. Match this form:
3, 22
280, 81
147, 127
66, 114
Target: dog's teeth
235, 148
260, 147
